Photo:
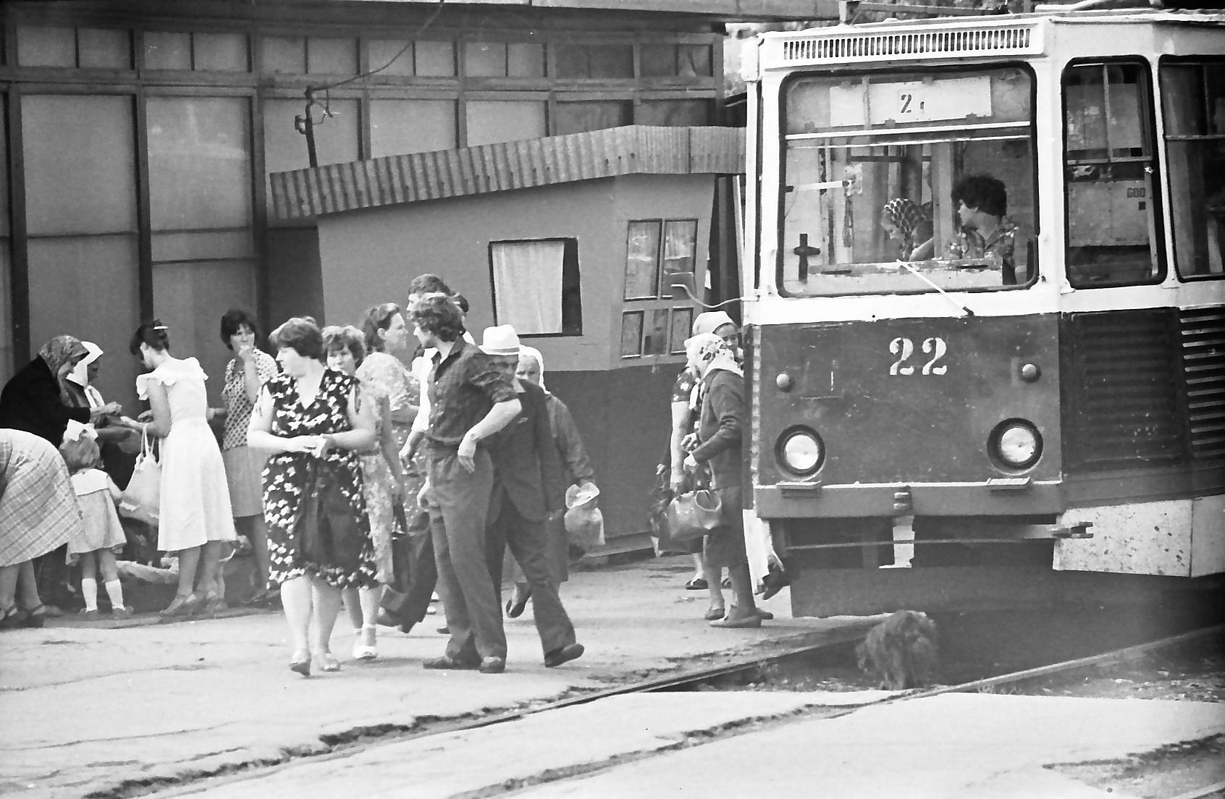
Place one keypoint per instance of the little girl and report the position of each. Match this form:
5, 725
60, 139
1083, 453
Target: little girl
97, 496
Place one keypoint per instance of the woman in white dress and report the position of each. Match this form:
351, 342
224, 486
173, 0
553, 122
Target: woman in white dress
195, 515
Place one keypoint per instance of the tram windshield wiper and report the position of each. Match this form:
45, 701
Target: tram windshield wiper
929, 282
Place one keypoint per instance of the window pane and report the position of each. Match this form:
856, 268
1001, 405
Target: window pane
655, 332
284, 55
92, 281
493, 121
202, 143
79, 178
579, 117
1110, 219
674, 113
435, 59
46, 47
682, 324
190, 298
105, 48
642, 260
658, 60
381, 51
332, 56
525, 60
527, 285
694, 60
611, 60
571, 60
680, 243
631, 334
1195, 106
164, 50
221, 52
399, 127
485, 59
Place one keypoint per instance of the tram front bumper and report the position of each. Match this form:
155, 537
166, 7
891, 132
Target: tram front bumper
989, 498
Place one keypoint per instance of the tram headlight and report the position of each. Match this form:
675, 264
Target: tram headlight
1016, 444
800, 450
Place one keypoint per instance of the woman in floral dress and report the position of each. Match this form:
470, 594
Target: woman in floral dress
312, 422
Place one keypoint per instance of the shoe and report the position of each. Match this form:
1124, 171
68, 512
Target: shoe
35, 617
697, 584
562, 655
90, 615
492, 665
12, 617
764, 614
776, 580
301, 663
727, 582
715, 613
181, 606
444, 630
122, 613
742, 623
448, 662
516, 604
387, 620
326, 661
361, 650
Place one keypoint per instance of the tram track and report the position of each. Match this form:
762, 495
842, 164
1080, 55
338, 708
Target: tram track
344, 746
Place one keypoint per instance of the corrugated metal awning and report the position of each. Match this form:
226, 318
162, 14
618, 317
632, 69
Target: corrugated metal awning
397, 179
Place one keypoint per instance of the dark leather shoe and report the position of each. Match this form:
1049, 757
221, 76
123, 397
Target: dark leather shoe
776, 580
563, 655
448, 662
492, 665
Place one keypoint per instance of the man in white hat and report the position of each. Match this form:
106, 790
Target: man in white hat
471, 398
528, 484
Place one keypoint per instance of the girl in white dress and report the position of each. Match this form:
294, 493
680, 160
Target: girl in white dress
195, 501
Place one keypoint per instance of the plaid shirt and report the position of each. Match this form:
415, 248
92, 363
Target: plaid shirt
463, 388
998, 249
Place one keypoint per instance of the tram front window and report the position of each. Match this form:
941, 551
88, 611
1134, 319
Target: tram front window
877, 168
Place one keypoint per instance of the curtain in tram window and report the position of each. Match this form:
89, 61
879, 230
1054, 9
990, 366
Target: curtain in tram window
527, 284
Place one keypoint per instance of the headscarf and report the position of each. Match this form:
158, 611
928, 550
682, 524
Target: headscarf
532, 352
905, 215
707, 352
710, 321
80, 373
58, 351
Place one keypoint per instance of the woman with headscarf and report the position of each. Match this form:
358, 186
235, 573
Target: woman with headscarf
720, 437
37, 400
576, 469
907, 223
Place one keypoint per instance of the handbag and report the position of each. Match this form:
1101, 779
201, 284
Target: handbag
694, 514
328, 530
141, 500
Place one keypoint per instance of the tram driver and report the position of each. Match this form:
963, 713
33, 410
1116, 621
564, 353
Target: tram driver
982, 202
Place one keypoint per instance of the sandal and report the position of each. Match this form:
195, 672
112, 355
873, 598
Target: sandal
35, 617
714, 613
12, 617
697, 584
181, 606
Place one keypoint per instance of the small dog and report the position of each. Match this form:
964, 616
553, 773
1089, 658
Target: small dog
901, 651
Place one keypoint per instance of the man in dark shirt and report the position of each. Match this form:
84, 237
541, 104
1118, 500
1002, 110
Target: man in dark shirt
471, 398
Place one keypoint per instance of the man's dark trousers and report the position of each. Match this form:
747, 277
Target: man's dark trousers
529, 543
458, 528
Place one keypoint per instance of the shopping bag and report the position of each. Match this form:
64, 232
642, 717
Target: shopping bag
694, 514
328, 530
141, 500
584, 522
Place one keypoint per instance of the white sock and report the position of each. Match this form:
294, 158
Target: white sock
89, 592
114, 589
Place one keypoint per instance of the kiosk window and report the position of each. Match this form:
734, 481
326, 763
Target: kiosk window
1112, 213
536, 286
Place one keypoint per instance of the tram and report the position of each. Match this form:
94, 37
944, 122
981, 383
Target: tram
984, 299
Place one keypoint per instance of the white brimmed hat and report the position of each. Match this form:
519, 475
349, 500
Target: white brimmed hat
500, 340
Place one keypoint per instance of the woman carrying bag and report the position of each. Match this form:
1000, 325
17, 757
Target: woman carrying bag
720, 438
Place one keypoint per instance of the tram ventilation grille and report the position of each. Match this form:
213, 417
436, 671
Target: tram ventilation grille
915, 44
1123, 391
1203, 365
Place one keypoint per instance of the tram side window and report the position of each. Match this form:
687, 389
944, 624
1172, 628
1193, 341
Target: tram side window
1194, 104
1112, 237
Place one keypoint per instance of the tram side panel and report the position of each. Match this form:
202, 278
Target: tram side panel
1144, 444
